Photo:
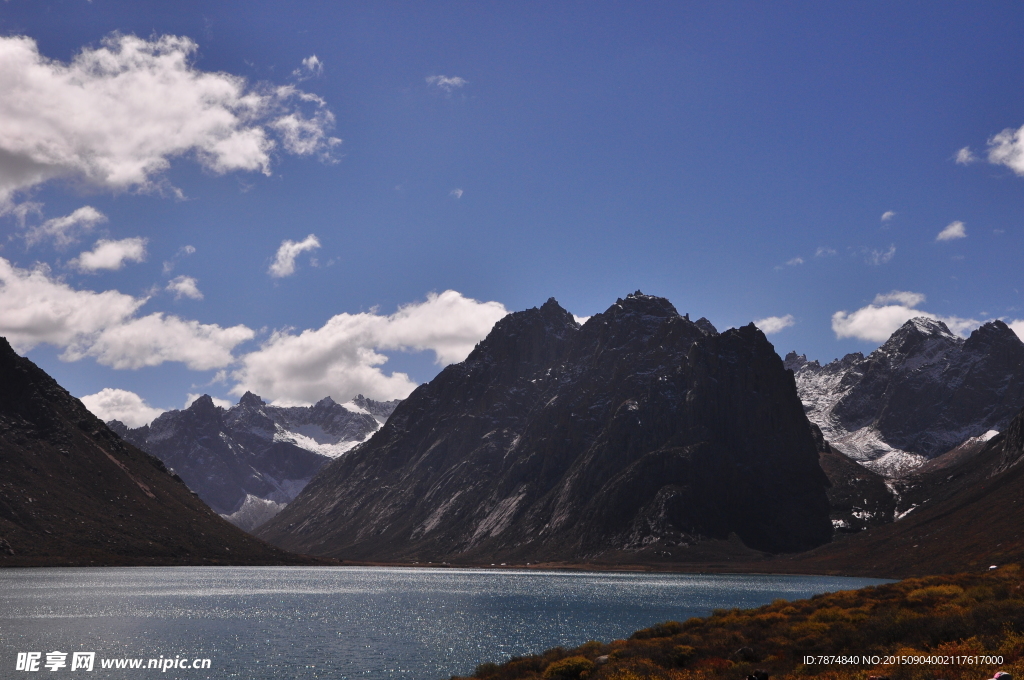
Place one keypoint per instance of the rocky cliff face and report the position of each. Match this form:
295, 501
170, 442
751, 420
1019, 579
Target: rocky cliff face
639, 431
961, 511
253, 451
73, 493
919, 395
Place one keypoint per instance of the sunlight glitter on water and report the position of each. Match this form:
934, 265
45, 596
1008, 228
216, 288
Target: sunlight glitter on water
374, 623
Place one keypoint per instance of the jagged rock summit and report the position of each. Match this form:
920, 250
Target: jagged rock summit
639, 433
254, 456
919, 395
73, 493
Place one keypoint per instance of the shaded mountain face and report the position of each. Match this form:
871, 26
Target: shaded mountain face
959, 512
920, 394
73, 493
639, 431
252, 450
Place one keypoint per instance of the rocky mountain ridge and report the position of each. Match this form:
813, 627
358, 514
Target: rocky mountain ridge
640, 432
920, 394
74, 493
253, 458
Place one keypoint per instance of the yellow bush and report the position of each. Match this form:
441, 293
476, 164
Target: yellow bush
570, 668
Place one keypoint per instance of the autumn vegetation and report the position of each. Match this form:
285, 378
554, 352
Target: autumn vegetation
950, 627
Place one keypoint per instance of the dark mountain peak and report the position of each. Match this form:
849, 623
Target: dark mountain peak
706, 326
250, 399
794, 361
926, 340
921, 327
203, 407
992, 337
326, 404
534, 336
648, 305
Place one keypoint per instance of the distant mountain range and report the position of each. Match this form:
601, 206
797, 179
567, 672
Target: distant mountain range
922, 393
641, 433
74, 493
250, 460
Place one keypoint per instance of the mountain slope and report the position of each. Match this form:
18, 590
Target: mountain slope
73, 493
963, 516
253, 453
920, 394
641, 431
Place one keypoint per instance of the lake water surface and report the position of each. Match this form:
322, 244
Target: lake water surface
259, 623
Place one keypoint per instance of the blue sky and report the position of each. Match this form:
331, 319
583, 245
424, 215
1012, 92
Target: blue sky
736, 158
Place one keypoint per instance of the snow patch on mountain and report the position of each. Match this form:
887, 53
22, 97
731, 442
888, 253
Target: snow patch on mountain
921, 393
254, 513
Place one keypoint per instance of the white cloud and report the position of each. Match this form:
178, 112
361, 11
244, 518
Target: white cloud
774, 324
1018, 327
824, 251
311, 66
580, 319
888, 215
880, 257
284, 261
183, 251
111, 254
185, 286
128, 407
342, 358
903, 297
1007, 148
790, 263
965, 156
877, 321
456, 193
445, 83
117, 114
952, 231
67, 229
157, 338
36, 309
190, 399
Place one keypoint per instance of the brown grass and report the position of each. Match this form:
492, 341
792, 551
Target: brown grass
964, 615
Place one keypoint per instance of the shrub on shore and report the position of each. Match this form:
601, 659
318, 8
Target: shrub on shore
955, 627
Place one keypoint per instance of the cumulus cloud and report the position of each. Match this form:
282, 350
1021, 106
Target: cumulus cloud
887, 312
1007, 148
879, 257
456, 193
1018, 327
185, 286
824, 251
342, 358
114, 404
117, 114
311, 67
64, 231
888, 215
284, 261
965, 156
953, 230
111, 255
36, 308
445, 83
774, 324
